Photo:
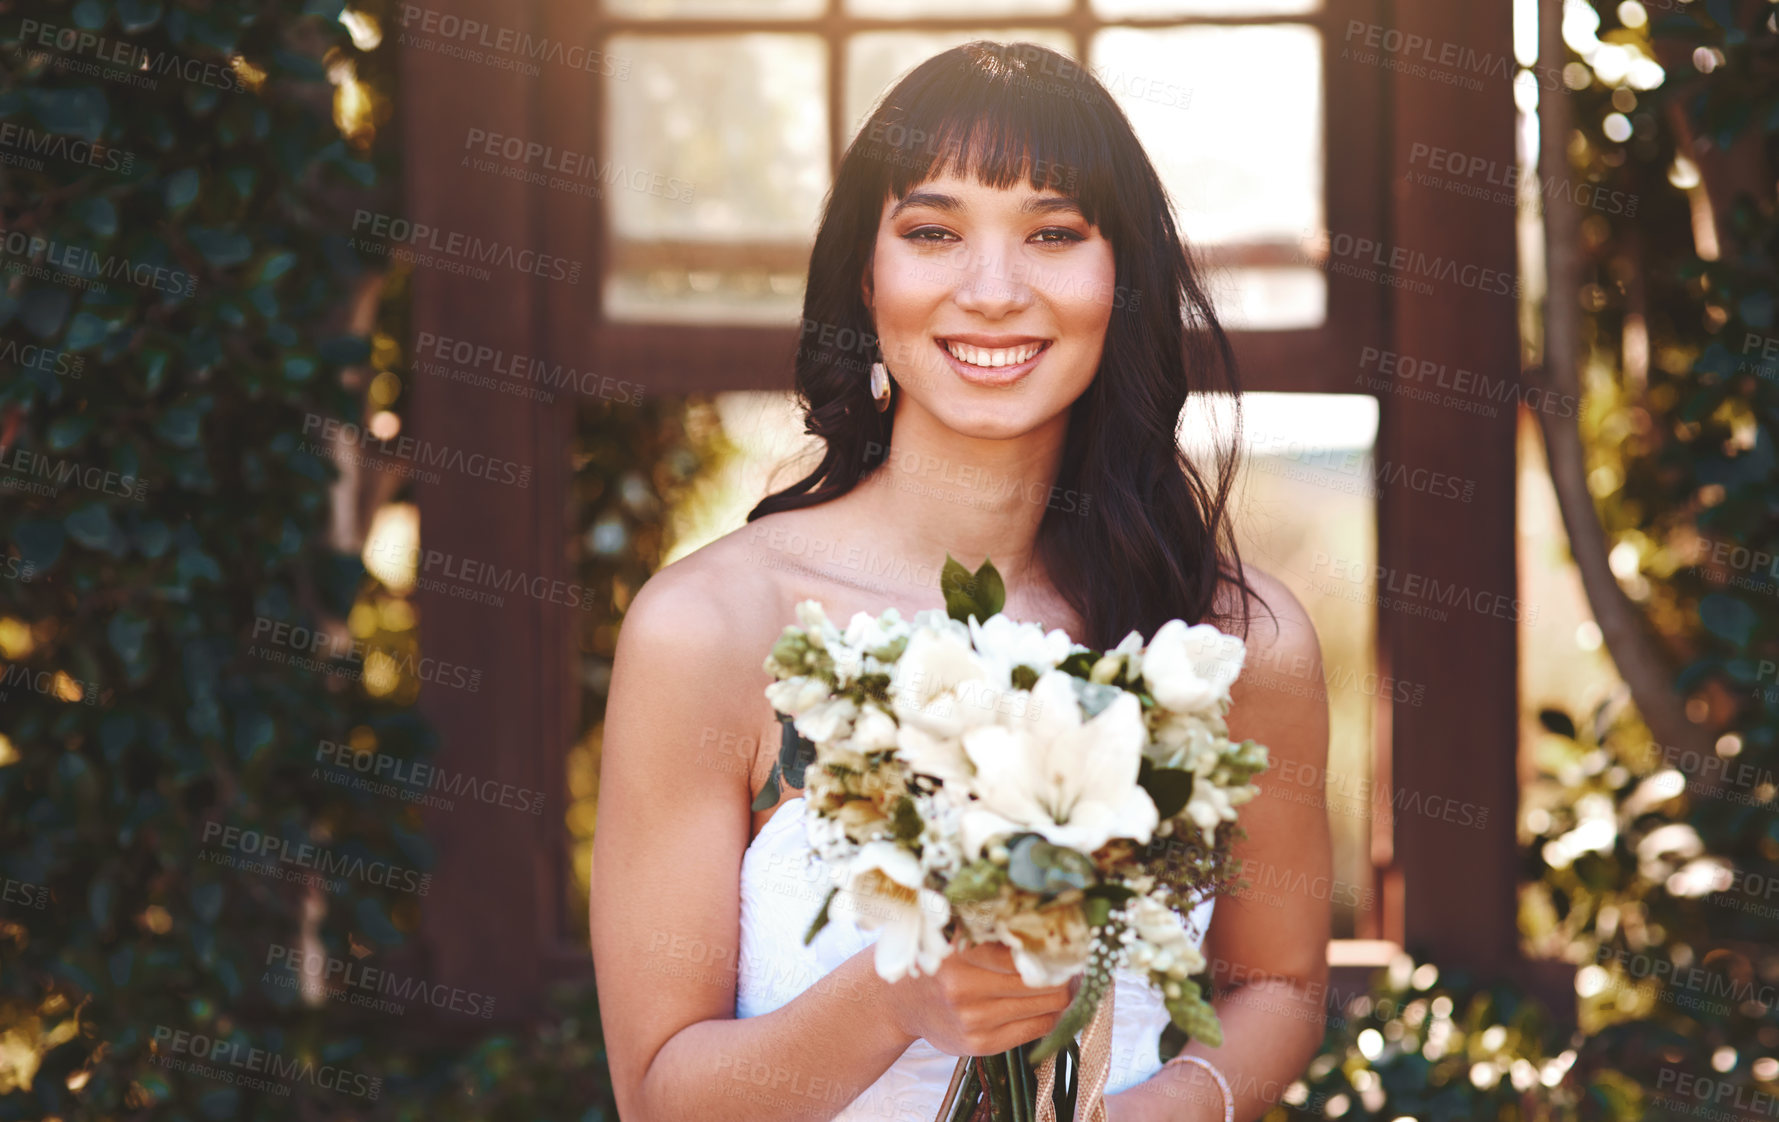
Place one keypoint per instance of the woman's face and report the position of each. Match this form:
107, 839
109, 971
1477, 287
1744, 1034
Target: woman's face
990, 304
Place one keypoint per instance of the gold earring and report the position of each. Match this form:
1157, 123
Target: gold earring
880, 386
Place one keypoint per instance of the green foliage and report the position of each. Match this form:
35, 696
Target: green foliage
980, 594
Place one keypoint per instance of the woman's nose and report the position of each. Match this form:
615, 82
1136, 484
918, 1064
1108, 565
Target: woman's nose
984, 284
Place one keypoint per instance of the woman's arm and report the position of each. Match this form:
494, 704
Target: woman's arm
665, 911
1273, 945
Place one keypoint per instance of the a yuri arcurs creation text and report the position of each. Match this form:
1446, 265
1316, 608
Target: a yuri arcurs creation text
975, 779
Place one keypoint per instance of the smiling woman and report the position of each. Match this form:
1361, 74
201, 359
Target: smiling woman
1025, 321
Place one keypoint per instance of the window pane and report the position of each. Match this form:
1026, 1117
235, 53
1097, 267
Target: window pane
1238, 144
1241, 150
875, 60
1306, 513
1269, 299
1150, 8
715, 9
897, 9
719, 145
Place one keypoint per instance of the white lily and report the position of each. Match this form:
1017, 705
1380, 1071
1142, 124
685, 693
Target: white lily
1190, 669
1048, 771
881, 891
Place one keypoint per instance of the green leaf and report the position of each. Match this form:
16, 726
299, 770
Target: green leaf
39, 542
821, 917
221, 248
71, 110
91, 525
69, 431
1169, 788
1728, 618
980, 880
97, 213
138, 15
980, 594
905, 823
85, 332
1038, 866
178, 426
180, 188
1557, 721
126, 632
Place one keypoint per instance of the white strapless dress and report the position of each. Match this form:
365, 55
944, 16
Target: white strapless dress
782, 887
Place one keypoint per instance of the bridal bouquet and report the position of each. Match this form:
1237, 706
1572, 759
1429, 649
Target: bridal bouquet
975, 779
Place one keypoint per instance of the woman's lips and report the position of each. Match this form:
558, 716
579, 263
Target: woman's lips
992, 366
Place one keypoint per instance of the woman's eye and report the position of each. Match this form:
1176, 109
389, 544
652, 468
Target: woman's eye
926, 234
1058, 234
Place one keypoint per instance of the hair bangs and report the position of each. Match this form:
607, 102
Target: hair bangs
1009, 116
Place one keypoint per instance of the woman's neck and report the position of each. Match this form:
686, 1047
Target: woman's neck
938, 492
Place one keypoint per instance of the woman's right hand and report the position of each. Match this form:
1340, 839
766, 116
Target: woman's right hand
977, 1004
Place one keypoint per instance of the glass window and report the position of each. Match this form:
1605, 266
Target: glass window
717, 164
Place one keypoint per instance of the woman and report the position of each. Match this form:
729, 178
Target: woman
998, 241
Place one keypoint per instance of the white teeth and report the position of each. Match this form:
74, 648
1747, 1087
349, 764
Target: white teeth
981, 356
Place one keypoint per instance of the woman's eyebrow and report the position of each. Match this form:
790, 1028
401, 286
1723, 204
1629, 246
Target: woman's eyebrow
934, 199
1043, 204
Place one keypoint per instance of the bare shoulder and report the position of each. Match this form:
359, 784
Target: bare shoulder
1279, 626
713, 595
1281, 698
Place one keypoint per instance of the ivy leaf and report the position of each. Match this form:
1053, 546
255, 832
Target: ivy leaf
42, 310
138, 15
39, 542
69, 431
71, 110
91, 525
97, 213
180, 188
221, 248
1728, 618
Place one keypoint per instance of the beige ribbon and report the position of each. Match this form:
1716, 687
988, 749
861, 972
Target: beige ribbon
1096, 1070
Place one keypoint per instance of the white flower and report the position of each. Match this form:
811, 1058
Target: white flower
1050, 945
849, 663
794, 696
827, 721
1187, 740
941, 757
1161, 942
874, 730
873, 634
1048, 771
881, 890
1208, 806
1189, 669
814, 619
1004, 643
939, 682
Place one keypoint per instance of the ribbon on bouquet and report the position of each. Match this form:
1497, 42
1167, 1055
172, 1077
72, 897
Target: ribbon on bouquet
1096, 1070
